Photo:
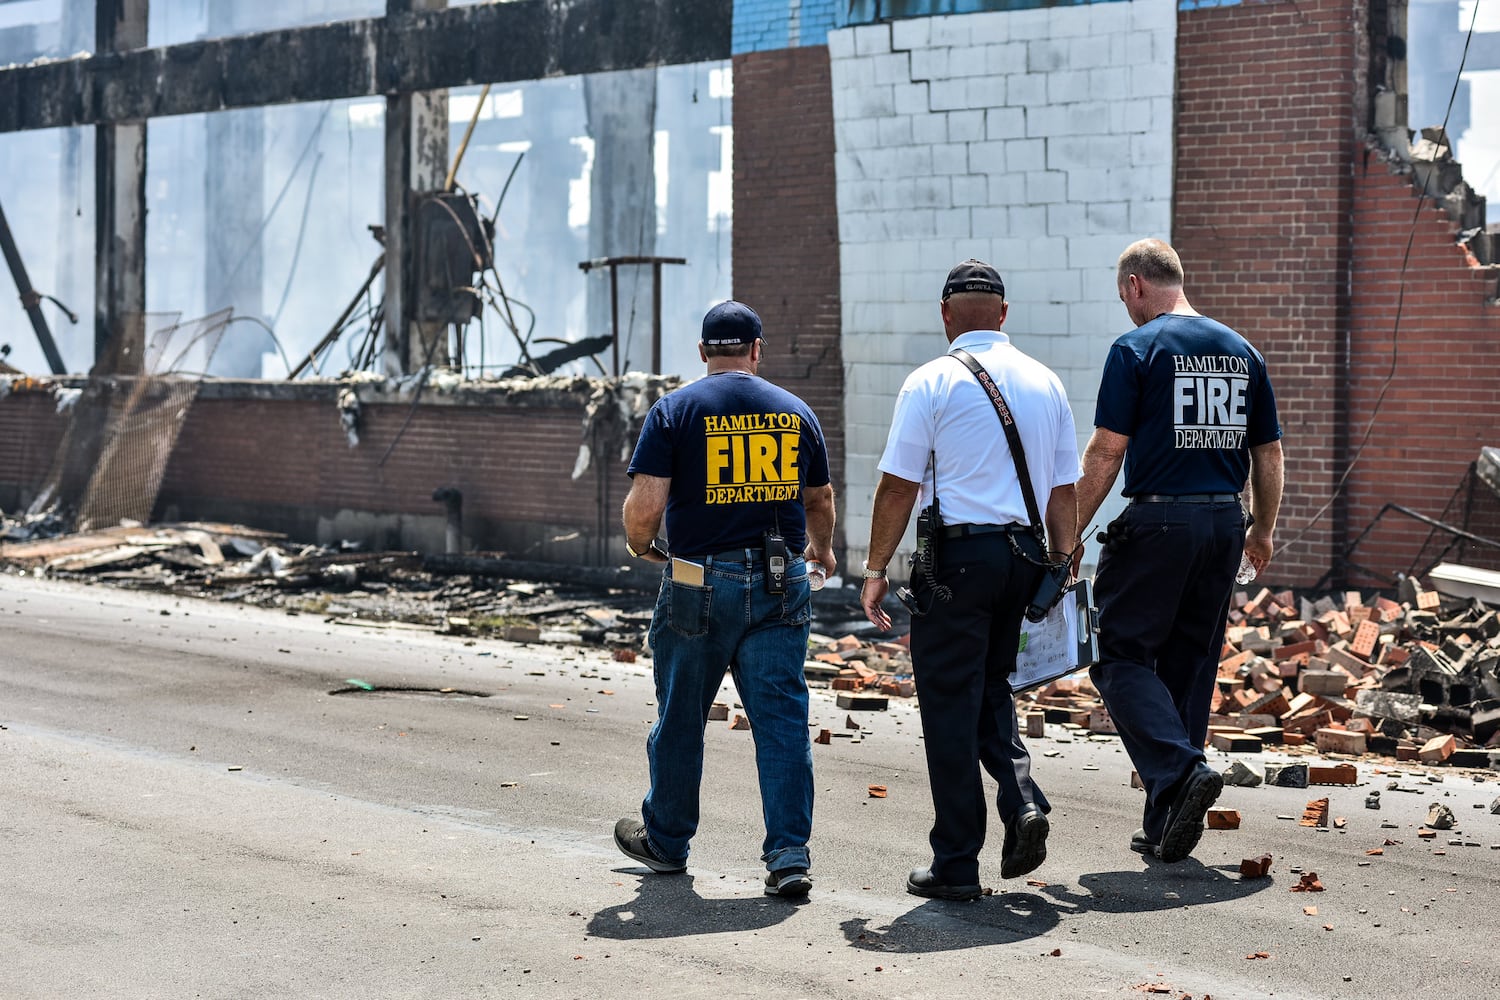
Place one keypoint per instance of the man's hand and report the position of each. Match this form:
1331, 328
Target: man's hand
817, 502
870, 598
642, 513
1258, 547
823, 555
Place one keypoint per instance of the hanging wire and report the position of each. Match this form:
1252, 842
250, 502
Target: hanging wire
1390, 377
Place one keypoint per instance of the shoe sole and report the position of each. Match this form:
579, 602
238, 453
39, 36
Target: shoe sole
660, 867
793, 886
1143, 847
1185, 827
1031, 847
951, 892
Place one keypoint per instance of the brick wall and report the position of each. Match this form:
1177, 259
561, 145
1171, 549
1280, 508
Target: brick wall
30, 430
1040, 140
1263, 216
1443, 404
279, 459
786, 250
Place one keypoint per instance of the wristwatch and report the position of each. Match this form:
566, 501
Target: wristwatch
873, 574
653, 547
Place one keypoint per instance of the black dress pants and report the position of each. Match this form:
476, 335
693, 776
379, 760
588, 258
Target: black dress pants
963, 652
1163, 587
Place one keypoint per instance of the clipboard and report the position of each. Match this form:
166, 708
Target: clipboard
1066, 641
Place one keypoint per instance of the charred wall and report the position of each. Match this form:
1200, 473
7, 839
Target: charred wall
279, 456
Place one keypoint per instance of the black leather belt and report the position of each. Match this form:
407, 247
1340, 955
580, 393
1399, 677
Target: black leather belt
1186, 498
744, 555
965, 530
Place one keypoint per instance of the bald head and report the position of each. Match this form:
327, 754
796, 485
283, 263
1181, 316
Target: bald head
965, 311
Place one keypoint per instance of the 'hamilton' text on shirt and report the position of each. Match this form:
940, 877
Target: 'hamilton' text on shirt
1209, 400
752, 457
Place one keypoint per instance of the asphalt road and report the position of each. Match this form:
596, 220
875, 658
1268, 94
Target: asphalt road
187, 810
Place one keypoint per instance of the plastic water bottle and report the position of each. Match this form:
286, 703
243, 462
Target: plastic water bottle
817, 575
1247, 571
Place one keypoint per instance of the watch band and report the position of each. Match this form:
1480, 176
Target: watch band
873, 574
653, 547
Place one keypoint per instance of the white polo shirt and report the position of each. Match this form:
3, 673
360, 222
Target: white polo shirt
943, 411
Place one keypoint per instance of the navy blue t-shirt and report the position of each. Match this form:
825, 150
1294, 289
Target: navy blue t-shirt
1193, 397
739, 451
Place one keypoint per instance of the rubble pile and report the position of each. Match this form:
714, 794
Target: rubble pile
236, 563
1417, 679
865, 675
26, 527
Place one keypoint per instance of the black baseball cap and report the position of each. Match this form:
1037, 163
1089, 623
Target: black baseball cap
731, 322
973, 276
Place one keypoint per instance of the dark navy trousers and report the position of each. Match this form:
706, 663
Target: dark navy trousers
1163, 586
963, 652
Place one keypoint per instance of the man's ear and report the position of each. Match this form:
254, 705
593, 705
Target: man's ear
756, 349
702, 354
1004, 309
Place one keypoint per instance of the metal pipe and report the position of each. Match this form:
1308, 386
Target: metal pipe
656, 315
453, 500
30, 300
464, 145
614, 313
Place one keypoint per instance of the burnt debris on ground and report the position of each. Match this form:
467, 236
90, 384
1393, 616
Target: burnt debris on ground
1415, 676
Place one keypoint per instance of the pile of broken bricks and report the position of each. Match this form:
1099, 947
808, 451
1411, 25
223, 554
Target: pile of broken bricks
1416, 680
864, 675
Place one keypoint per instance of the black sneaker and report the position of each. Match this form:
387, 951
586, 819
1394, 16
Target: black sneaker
631, 839
788, 882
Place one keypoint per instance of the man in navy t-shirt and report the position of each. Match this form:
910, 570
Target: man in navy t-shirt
739, 469
1186, 405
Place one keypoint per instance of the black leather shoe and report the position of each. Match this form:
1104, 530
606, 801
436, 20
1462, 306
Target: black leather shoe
1025, 842
1141, 845
1184, 826
921, 882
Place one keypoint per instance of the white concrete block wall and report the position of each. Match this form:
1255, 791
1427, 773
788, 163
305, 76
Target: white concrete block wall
1039, 140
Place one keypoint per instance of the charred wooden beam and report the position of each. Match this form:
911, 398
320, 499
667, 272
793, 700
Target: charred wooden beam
398, 54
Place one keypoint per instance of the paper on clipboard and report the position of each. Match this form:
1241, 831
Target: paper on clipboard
1064, 642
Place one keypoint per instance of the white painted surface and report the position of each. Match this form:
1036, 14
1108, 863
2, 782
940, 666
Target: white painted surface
1037, 140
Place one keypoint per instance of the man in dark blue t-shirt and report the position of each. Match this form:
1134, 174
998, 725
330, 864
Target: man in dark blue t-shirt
1186, 405
739, 469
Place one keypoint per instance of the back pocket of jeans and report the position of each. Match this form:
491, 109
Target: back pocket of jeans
690, 608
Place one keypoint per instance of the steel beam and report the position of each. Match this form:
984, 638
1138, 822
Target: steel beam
119, 209
397, 54
416, 161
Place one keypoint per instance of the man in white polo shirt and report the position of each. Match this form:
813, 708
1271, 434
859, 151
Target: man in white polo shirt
947, 446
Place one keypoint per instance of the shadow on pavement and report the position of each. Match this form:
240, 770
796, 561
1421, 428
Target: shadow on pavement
1011, 917
1160, 886
940, 925
668, 906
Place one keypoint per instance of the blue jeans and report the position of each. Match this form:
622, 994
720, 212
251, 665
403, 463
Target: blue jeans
696, 634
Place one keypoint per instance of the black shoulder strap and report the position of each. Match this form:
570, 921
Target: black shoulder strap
1011, 435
